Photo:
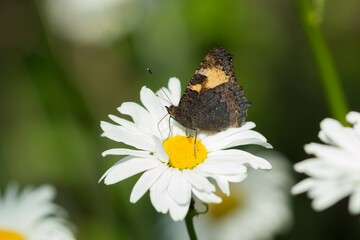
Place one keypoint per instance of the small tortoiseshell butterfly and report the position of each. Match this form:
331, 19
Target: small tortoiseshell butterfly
212, 101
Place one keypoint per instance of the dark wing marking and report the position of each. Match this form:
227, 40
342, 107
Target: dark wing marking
219, 108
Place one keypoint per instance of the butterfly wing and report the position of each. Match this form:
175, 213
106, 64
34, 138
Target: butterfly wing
220, 108
215, 69
212, 100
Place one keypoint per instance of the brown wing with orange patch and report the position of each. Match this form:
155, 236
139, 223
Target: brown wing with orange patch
215, 69
212, 101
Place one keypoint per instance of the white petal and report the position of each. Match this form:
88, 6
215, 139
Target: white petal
140, 116
145, 182
235, 178
354, 118
341, 136
124, 159
207, 197
177, 211
173, 92
236, 138
198, 181
164, 96
33, 213
248, 125
125, 125
176, 128
226, 160
129, 168
179, 189
213, 139
322, 169
121, 134
322, 189
158, 194
125, 151
160, 150
105, 126
122, 122
303, 186
241, 157
354, 202
324, 138
221, 168
175, 89
152, 104
223, 184
304, 165
329, 198
329, 153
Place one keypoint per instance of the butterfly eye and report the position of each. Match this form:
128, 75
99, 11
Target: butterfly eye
170, 110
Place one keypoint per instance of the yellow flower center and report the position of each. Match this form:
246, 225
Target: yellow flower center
10, 235
228, 204
182, 152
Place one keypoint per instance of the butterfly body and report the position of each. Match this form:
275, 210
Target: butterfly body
212, 101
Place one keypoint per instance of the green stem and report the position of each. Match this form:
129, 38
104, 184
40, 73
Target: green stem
189, 221
332, 87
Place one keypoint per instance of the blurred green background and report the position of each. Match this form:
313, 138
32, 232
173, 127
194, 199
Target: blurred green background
62, 71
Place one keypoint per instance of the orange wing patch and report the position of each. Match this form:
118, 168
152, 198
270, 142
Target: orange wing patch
214, 76
196, 87
215, 69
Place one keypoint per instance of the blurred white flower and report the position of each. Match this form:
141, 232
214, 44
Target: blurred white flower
32, 215
172, 172
258, 208
334, 171
93, 21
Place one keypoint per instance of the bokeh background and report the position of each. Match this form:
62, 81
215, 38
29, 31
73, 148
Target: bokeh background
66, 64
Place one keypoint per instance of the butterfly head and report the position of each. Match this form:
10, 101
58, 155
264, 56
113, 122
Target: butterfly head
181, 116
171, 110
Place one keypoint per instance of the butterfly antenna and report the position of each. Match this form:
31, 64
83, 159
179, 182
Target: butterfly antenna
168, 99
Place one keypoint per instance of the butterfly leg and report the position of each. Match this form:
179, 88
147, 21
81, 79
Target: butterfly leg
170, 129
158, 126
195, 143
187, 133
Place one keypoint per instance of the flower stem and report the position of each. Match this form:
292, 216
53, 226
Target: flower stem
189, 221
333, 90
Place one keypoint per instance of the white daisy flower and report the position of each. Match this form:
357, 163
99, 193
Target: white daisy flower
334, 171
258, 208
32, 215
172, 172
93, 21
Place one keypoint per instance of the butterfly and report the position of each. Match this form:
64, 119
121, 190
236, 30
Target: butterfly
213, 101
